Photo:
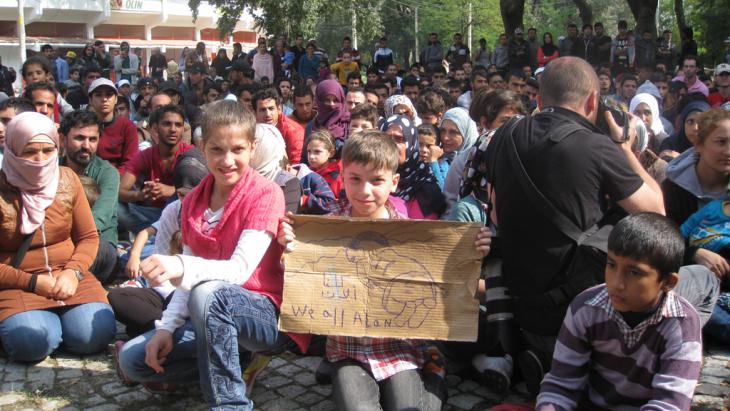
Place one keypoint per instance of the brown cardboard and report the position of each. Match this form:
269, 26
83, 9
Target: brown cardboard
382, 278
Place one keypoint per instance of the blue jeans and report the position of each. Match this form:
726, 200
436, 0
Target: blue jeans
134, 217
83, 329
223, 317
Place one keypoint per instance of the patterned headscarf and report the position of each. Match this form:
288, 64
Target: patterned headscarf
416, 178
397, 100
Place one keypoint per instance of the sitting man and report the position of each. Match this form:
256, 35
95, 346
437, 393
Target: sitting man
43, 97
79, 134
8, 110
267, 107
631, 340
152, 169
304, 111
118, 142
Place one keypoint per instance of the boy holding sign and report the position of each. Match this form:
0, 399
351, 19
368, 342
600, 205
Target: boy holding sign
375, 373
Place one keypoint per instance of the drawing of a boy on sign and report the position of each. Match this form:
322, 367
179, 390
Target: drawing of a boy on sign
409, 290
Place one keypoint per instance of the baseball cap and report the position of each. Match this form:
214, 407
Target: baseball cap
123, 82
169, 85
198, 68
145, 81
518, 30
71, 54
722, 68
102, 82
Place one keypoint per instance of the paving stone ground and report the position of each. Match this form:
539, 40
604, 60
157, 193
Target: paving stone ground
69, 383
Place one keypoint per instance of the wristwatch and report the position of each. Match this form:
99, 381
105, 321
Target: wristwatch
79, 275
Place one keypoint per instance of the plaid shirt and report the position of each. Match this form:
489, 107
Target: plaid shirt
384, 357
670, 307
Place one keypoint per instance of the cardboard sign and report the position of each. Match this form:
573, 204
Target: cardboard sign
382, 278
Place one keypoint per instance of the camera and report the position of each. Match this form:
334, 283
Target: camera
605, 104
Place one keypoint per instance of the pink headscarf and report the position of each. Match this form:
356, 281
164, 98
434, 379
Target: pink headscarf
37, 181
335, 119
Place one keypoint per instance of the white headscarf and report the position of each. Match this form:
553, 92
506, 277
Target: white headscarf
270, 150
656, 121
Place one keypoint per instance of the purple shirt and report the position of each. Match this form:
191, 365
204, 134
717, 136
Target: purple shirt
693, 88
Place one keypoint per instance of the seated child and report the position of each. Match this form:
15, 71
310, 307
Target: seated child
430, 151
317, 196
320, 156
363, 117
370, 373
709, 227
631, 342
269, 159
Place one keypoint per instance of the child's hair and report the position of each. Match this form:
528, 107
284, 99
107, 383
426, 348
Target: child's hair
371, 148
325, 137
430, 130
651, 238
710, 120
431, 102
227, 113
176, 243
39, 60
365, 111
91, 189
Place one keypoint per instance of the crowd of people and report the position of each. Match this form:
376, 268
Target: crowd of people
580, 158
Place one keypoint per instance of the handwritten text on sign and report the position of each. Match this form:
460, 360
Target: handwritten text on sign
384, 278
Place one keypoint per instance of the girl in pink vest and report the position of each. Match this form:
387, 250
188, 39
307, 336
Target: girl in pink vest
229, 277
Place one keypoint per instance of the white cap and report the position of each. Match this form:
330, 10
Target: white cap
102, 82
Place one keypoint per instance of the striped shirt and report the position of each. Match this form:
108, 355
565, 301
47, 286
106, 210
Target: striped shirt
654, 366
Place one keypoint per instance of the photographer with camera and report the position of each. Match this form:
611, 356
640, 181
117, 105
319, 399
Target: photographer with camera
572, 167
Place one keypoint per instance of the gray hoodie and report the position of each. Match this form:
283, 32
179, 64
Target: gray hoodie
681, 171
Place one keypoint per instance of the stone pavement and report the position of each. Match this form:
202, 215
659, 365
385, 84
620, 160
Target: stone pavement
90, 383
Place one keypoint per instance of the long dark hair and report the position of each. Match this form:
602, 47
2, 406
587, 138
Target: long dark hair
548, 49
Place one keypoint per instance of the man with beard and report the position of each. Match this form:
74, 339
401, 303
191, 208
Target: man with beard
147, 182
79, 134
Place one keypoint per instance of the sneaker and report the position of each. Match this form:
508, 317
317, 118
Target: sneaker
496, 372
257, 364
435, 363
123, 378
532, 371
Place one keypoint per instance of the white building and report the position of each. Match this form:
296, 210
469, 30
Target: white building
68, 25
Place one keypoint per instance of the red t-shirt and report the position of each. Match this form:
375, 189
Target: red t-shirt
147, 165
118, 143
716, 99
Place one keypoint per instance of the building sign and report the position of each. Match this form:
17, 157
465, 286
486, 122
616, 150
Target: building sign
126, 4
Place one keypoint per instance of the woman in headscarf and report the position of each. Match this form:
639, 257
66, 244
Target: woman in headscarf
417, 188
686, 137
331, 112
399, 104
547, 52
48, 296
458, 132
268, 159
646, 107
221, 62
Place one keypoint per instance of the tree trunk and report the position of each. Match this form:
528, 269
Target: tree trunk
585, 10
512, 12
644, 12
679, 12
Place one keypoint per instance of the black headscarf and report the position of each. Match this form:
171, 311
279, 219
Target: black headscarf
679, 141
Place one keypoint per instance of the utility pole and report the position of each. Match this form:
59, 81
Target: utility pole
415, 35
21, 29
470, 26
354, 27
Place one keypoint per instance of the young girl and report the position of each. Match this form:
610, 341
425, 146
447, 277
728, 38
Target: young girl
227, 223
430, 151
37, 69
320, 155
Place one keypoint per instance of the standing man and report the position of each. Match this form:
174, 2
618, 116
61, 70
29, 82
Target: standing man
383, 56
566, 43
432, 55
304, 111
458, 53
533, 44
47, 52
126, 64
7, 78
623, 51
267, 106
347, 48
690, 68
79, 98
79, 134
603, 44
667, 51
500, 57
158, 64
585, 46
103, 59
118, 143
154, 166
519, 51
299, 50
61, 68
646, 51
535, 270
